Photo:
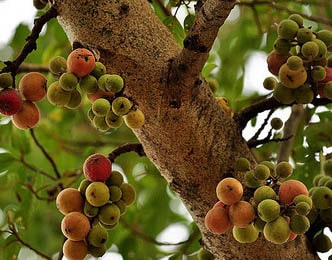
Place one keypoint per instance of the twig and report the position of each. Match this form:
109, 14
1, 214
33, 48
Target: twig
30, 67
290, 129
126, 148
259, 131
268, 139
12, 230
13, 66
46, 154
29, 166
242, 117
136, 232
35, 193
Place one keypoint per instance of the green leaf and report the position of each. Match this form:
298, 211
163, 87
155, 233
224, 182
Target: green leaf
208, 69
20, 141
188, 22
174, 26
6, 159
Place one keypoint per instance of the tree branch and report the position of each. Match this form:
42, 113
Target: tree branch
30, 67
209, 18
13, 66
13, 231
46, 154
126, 148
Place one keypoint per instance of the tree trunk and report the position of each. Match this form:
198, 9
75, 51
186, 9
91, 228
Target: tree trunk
187, 135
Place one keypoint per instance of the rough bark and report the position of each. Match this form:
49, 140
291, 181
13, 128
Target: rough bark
187, 135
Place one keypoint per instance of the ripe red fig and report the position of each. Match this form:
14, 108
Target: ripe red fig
97, 167
10, 101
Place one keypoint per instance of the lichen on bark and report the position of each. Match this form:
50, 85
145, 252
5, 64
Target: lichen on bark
187, 135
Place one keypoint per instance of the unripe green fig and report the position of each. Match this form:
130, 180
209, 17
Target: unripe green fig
115, 83
242, 164
326, 215
284, 169
268, 210
83, 185
112, 120
294, 62
90, 114
299, 224
116, 178
88, 84
58, 65
128, 193
259, 224
134, 119
296, 18
263, 193
304, 35
318, 73
327, 167
322, 49
303, 208
56, 95
121, 106
310, 50
38, 4
98, 70
282, 46
89, 210
100, 123
287, 29
97, 251
101, 106
68, 81
324, 180
261, 172
270, 83
283, 94
250, 181
204, 255
115, 193
325, 36
248, 234
328, 184
122, 206
97, 236
277, 231
312, 215
109, 214
270, 165
303, 198
6, 80
322, 242
97, 194
317, 178
304, 94
276, 123
322, 198
75, 100
328, 90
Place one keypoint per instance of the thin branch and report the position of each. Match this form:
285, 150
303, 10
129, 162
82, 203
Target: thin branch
13, 66
30, 67
29, 166
259, 131
268, 139
46, 154
13, 231
35, 193
136, 232
242, 117
276, 6
126, 148
290, 129
208, 19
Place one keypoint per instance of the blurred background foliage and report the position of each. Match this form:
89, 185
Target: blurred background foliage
28, 183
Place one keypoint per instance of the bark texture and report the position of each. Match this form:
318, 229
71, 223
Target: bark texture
187, 135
